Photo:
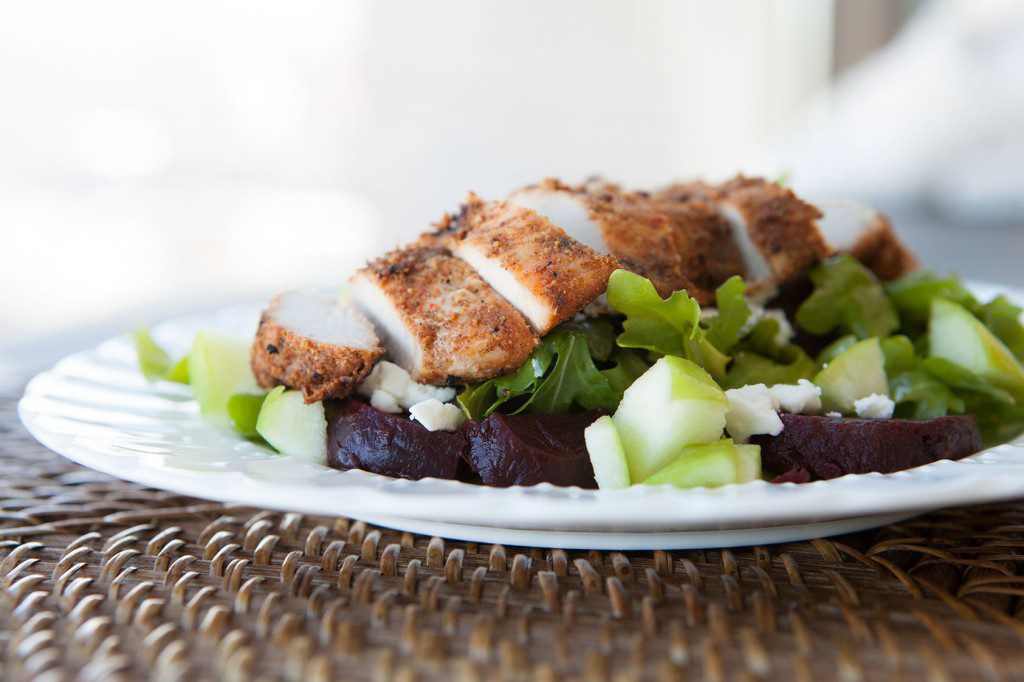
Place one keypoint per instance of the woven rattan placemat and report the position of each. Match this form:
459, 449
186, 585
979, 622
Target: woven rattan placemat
102, 579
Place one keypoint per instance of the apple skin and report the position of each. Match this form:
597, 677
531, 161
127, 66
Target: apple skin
956, 335
672, 405
856, 373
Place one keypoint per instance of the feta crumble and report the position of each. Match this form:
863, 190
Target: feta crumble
437, 416
752, 410
875, 406
802, 397
390, 379
834, 415
785, 333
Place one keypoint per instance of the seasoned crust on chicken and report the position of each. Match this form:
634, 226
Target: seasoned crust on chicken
866, 234
536, 266
311, 343
609, 219
781, 226
773, 231
439, 319
704, 242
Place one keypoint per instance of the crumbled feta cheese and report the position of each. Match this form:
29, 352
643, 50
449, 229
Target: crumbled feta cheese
436, 415
785, 333
802, 397
384, 401
875, 406
389, 378
752, 410
708, 312
834, 415
756, 313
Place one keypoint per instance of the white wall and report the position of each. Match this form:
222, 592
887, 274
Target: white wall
162, 155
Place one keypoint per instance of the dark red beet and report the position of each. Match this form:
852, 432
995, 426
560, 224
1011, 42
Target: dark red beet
830, 447
363, 437
798, 475
525, 449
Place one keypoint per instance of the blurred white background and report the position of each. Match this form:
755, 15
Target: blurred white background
161, 157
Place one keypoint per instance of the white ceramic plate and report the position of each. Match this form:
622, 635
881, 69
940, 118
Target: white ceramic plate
95, 408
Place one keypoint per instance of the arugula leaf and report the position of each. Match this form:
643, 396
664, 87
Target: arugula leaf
558, 375
962, 379
849, 298
900, 355
155, 362
912, 295
243, 410
725, 328
600, 333
920, 395
668, 326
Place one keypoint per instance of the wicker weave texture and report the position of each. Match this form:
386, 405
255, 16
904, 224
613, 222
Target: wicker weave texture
102, 579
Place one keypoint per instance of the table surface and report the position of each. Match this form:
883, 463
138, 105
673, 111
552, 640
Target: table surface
104, 579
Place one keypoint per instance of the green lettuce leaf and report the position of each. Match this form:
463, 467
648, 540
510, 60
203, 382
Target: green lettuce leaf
560, 374
726, 327
847, 298
667, 326
600, 334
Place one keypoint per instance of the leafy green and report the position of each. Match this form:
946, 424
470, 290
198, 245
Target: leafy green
559, 375
600, 333
912, 295
753, 368
847, 298
919, 395
668, 326
155, 362
900, 355
1003, 318
243, 410
726, 327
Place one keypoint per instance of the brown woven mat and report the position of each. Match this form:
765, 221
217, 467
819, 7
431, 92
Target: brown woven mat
103, 579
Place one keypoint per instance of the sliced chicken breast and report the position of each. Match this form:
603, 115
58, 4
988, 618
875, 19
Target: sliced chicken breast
312, 343
439, 319
775, 232
865, 233
608, 219
536, 266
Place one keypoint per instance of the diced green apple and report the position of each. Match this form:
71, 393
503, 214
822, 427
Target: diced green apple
956, 335
748, 463
292, 427
708, 465
856, 373
672, 405
606, 454
218, 368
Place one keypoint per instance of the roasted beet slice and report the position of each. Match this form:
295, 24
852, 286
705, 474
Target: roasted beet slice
829, 447
524, 449
363, 437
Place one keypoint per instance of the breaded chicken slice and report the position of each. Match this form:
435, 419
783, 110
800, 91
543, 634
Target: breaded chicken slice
536, 266
310, 342
611, 220
703, 239
775, 232
865, 233
439, 319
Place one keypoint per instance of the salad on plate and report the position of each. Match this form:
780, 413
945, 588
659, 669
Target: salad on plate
594, 336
